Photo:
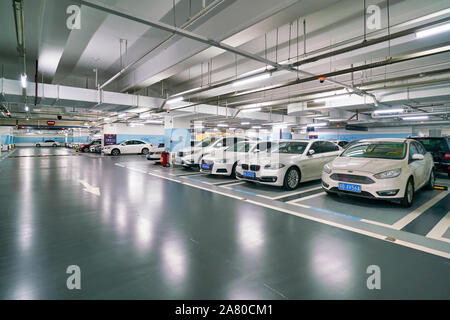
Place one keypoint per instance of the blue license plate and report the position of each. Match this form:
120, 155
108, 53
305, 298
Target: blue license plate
249, 174
206, 166
349, 187
178, 160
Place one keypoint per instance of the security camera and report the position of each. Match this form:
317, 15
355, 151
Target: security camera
322, 79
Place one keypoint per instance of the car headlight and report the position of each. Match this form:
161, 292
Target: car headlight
274, 166
221, 160
388, 174
326, 168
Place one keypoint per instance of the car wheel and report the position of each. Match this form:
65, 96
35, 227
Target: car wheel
408, 198
54, 145
115, 152
85, 149
233, 170
38, 146
431, 180
291, 178
145, 151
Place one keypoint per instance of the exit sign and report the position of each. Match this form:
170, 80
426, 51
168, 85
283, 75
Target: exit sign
51, 123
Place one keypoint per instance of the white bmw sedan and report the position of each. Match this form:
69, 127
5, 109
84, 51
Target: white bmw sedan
289, 163
225, 162
391, 169
48, 143
126, 147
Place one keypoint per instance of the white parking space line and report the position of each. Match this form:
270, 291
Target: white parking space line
290, 194
400, 224
231, 185
7, 155
383, 237
439, 229
306, 198
188, 174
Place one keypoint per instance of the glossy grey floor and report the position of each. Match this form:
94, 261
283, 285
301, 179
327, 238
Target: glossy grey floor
145, 237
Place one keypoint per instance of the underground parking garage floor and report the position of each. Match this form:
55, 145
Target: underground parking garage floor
139, 231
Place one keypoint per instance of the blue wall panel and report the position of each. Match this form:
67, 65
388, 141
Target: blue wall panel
153, 139
177, 139
356, 136
37, 139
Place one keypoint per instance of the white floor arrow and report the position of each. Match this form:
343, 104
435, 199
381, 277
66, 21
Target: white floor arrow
89, 188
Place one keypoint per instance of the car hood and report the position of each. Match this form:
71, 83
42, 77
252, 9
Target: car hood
365, 164
229, 155
266, 158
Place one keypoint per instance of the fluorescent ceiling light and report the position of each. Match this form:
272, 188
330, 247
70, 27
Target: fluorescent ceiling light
245, 123
23, 80
385, 111
136, 124
144, 115
174, 100
188, 91
320, 124
433, 31
122, 115
256, 127
415, 118
336, 120
251, 79
223, 125
155, 121
231, 128
26, 108
106, 119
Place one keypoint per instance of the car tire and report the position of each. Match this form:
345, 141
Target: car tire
38, 145
431, 180
54, 145
233, 170
85, 149
145, 151
408, 198
115, 152
292, 178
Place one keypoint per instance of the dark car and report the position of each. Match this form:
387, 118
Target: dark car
439, 147
85, 147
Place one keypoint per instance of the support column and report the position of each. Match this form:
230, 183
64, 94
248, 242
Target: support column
177, 133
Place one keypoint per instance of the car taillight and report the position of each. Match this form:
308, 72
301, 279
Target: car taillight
447, 155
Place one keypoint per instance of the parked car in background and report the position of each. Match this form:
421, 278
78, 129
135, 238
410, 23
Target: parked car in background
191, 156
439, 147
96, 148
132, 146
85, 147
155, 152
48, 143
392, 169
289, 163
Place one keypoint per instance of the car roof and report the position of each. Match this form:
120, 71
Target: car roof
385, 140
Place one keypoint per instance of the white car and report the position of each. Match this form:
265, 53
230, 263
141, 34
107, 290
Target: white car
289, 163
191, 156
390, 169
155, 152
48, 143
224, 163
132, 146
340, 143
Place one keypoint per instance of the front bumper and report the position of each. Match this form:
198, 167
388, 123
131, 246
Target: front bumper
263, 176
187, 161
221, 169
383, 189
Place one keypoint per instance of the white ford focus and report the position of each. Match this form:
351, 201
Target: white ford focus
392, 169
289, 163
128, 146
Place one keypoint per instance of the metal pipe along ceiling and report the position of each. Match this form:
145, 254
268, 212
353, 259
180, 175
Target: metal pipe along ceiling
213, 43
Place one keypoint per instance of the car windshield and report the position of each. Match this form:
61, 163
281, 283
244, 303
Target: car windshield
204, 143
379, 150
241, 147
289, 147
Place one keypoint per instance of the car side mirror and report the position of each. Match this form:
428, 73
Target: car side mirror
418, 156
311, 152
